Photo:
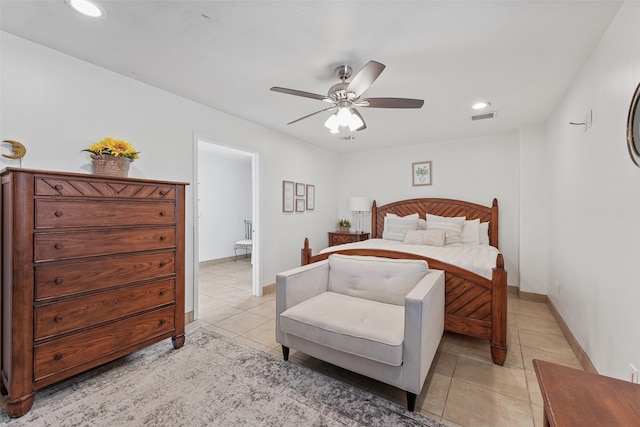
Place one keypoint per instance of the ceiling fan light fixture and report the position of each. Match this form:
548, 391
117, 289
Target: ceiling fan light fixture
355, 122
344, 116
332, 123
87, 8
481, 105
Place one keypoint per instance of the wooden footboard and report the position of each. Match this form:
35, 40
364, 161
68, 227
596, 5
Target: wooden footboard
474, 305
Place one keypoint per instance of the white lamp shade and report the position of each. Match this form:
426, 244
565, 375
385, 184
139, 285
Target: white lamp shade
359, 204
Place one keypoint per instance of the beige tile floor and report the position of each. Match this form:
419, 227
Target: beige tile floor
463, 387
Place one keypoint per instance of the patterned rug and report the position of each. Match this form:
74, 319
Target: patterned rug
211, 381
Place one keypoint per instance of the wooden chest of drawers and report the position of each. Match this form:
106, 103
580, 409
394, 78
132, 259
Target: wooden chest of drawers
92, 269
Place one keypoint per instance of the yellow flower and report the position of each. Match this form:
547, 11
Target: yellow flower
113, 147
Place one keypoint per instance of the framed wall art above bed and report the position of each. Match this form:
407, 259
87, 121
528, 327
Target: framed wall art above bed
421, 173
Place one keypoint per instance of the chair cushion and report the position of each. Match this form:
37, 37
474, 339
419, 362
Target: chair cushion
362, 327
379, 279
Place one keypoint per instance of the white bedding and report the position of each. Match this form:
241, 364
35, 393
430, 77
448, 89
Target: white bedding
480, 259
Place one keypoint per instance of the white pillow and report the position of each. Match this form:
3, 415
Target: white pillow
471, 232
422, 224
425, 237
484, 233
452, 225
395, 226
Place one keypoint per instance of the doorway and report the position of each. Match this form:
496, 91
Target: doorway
224, 197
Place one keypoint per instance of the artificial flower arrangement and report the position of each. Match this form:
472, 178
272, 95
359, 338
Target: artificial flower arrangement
113, 147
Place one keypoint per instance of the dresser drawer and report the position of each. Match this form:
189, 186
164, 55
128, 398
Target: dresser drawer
55, 213
95, 187
76, 313
78, 244
59, 280
96, 344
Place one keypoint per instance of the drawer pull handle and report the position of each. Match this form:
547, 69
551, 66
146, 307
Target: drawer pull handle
162, 322
163, 237
163, 213
162, 192
59, 213
58, 356
163, 292
58, 186
59, 280
59, 246
58, 319
162, 264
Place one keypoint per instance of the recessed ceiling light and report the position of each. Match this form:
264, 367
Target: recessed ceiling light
480, 105
87, 8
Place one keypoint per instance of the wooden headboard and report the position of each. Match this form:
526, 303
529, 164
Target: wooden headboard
442, 207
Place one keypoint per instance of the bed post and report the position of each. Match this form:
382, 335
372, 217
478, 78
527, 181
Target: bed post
374, 220
499, 313
493, 233
305, 252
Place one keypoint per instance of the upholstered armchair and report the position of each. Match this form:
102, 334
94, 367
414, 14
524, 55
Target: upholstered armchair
379, 317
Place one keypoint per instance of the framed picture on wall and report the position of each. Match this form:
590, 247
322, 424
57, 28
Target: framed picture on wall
299, 189
287, 196
299, 205
311, 197
421, 173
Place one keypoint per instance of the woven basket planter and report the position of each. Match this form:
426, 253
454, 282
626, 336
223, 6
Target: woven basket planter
110, 165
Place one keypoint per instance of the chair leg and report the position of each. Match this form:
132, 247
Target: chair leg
285, 352
411, 401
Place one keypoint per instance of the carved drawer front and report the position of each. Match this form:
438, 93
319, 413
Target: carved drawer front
78, 244
76, 313
94, 187
55, 213
89, 275
92, 348
338, 239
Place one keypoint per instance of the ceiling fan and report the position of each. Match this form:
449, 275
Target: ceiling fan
346, 96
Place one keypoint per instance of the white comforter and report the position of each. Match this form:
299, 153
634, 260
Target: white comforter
480, 259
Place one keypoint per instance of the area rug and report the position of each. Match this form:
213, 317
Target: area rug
211, 381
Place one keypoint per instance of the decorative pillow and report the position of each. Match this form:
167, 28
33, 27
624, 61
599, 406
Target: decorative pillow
395, 226
471, 232
452, 225
484, 233
425, 237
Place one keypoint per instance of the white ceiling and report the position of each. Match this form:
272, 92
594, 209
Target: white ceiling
520, 55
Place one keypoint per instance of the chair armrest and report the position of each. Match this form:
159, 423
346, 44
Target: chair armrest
423, 325
297, 285
300, 284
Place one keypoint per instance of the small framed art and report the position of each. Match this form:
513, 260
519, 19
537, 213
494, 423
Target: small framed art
311, 197
421, 173
287, 196
300, 205
299, 189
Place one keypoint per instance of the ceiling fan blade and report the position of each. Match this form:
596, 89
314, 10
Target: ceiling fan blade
390, 103
312, 114
300, 93
357, 113
365, 77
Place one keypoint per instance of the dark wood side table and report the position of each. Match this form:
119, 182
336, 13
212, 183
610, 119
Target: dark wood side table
575, 398
340, 237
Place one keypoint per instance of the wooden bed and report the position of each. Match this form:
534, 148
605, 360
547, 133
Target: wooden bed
474, 305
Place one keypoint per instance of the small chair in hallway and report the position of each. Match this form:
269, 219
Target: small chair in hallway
247, 242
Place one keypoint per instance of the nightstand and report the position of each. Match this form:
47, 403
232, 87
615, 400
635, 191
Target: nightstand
340, 237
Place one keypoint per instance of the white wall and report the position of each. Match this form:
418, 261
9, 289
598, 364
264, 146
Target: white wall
534, 210
473, 169
595, 203
57, 105
224, 201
